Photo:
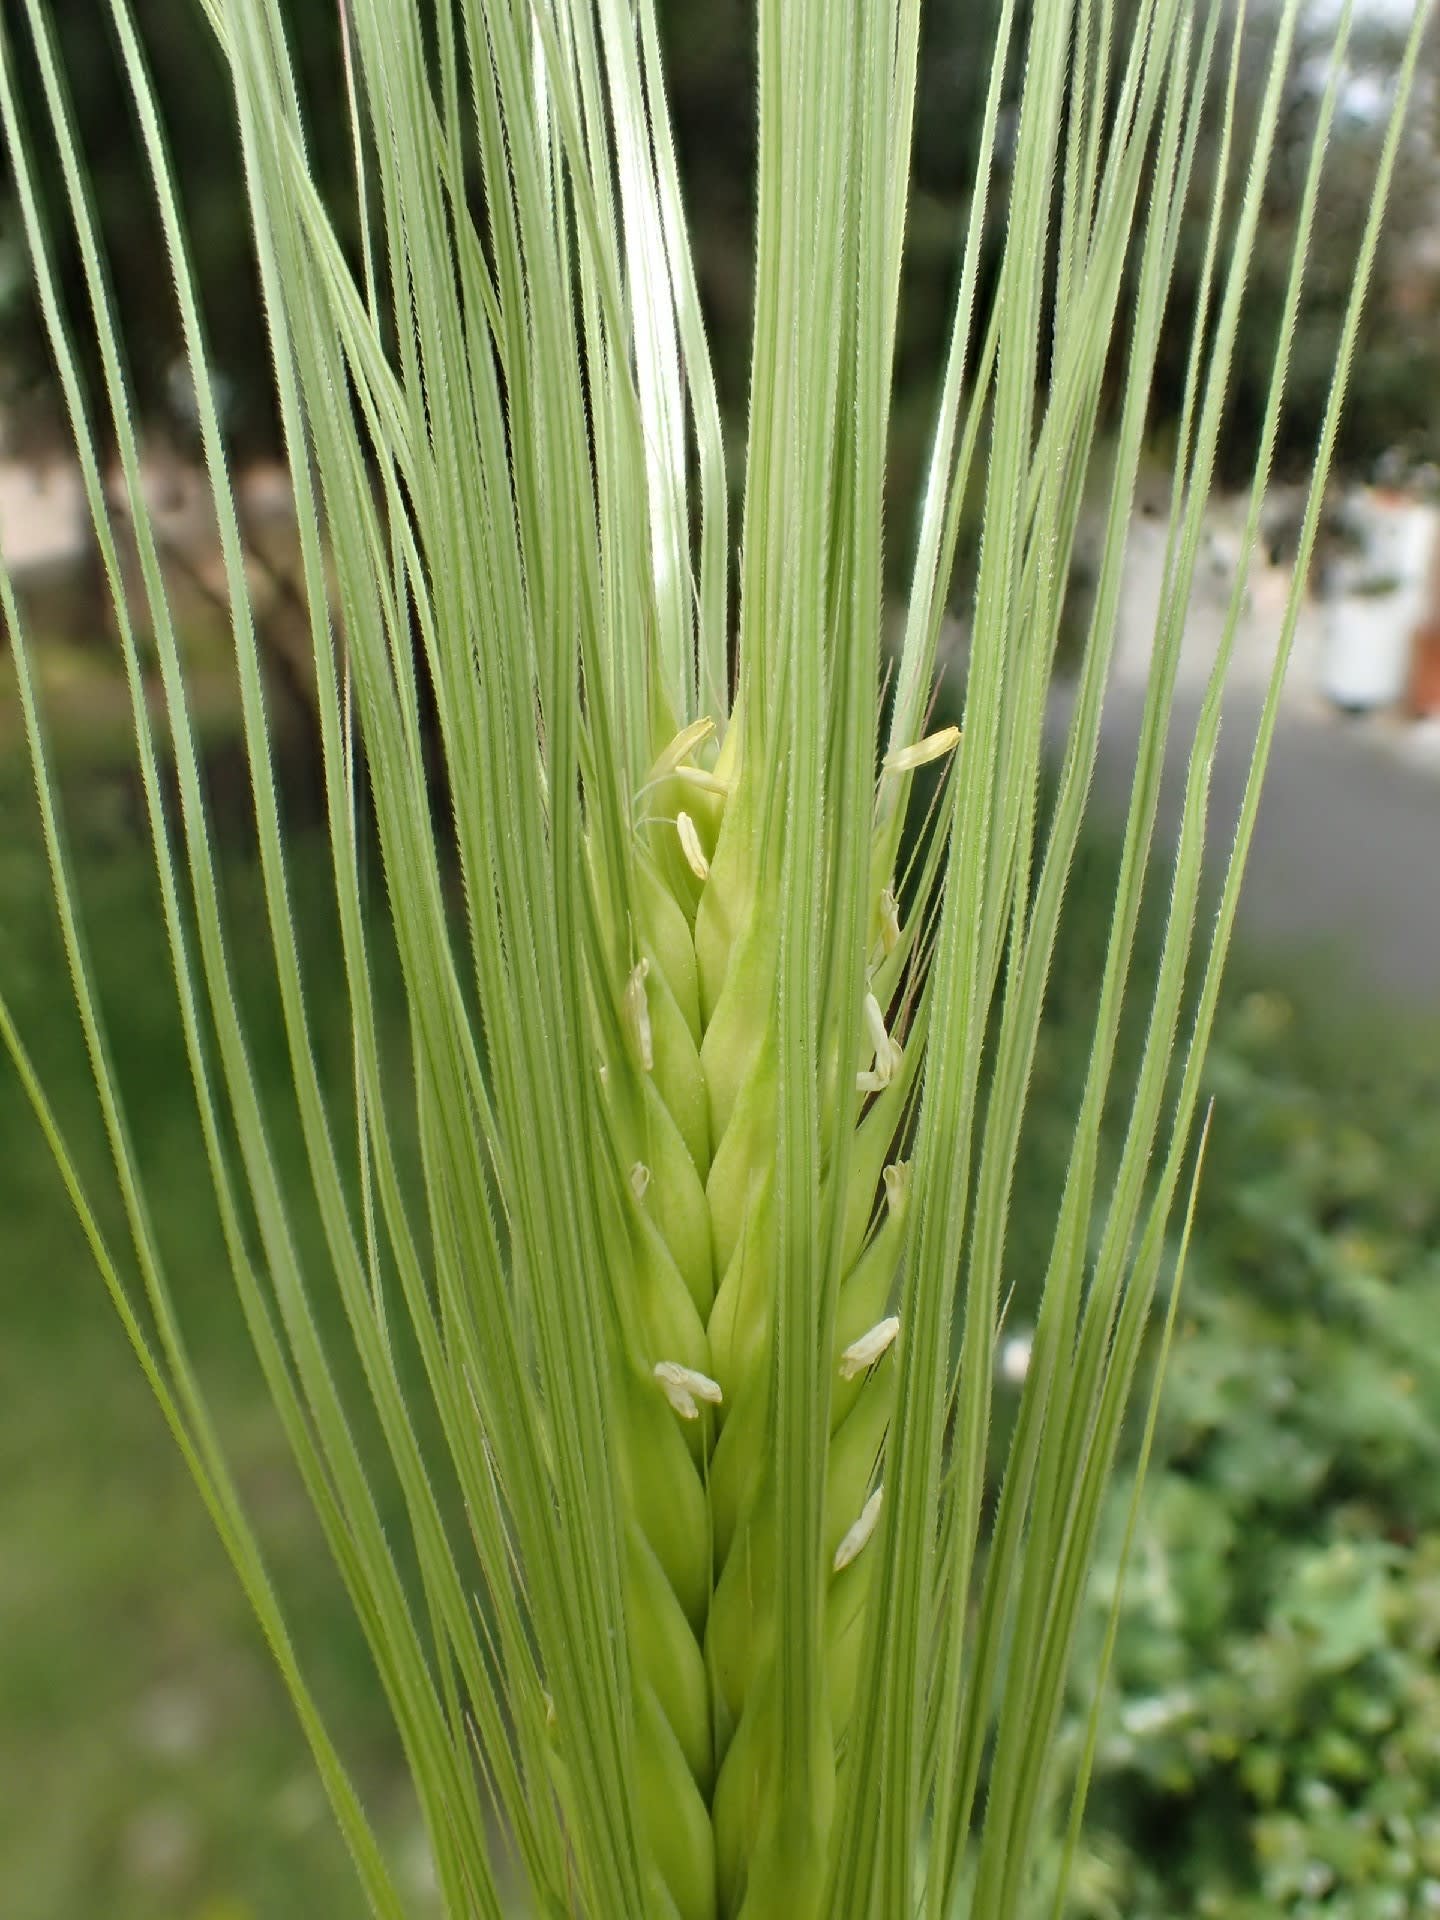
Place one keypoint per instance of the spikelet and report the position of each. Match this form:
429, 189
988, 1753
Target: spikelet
692, 1099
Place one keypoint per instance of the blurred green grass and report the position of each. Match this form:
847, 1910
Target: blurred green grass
153, 1769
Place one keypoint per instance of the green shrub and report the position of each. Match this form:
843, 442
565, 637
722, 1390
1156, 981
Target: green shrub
1272, 1741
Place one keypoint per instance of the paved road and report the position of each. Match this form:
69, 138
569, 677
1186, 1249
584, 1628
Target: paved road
1346, 855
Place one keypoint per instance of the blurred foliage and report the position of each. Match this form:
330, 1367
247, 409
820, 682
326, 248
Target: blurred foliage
710, 50
1271, 1742
153, 1766
1394, 403
195, 101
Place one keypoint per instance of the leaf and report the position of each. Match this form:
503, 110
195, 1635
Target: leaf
1338, 1600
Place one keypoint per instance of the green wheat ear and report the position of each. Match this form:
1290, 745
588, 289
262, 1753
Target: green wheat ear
691, 1095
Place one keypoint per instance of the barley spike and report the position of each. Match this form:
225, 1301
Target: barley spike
691, 1095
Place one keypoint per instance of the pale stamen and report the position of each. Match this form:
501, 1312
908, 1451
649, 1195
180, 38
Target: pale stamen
700, 777
639, 1179
855, 1540
862, 1354
889, 920
683, 1387
888, 1053
681, 748
637, 1011
690, 846
934, 746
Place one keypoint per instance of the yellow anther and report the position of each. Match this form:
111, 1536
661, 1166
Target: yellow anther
934, 746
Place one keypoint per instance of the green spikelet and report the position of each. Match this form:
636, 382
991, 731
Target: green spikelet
692, 1099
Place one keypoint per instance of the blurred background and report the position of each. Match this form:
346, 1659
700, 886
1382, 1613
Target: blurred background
1272, 1741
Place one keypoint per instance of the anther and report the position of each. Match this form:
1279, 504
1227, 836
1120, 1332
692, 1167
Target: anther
897, 1184
889, 920
934, 746
681, 747
639, 1179
855, 1540
888, 1053
683, 1387
637, 1009
862, 1354
690, 846
702, 778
